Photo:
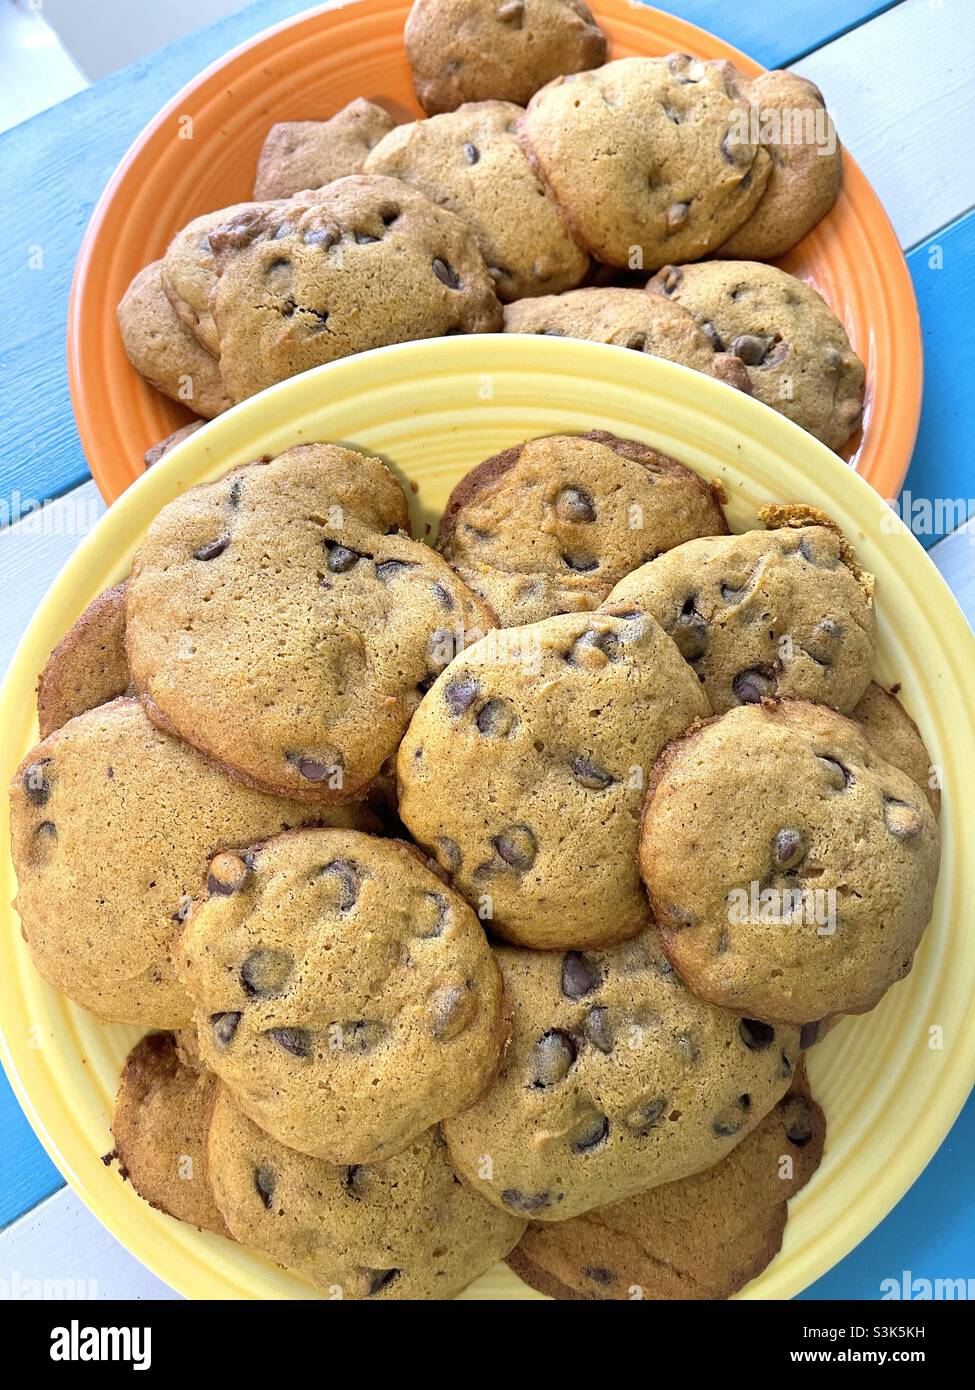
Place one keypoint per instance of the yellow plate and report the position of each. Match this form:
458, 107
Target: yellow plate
433, 410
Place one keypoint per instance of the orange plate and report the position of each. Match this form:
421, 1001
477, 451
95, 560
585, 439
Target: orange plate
311, 66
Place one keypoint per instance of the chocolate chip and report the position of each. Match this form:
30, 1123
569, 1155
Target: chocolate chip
838, 776
512, 12
236, 492
809, 1033
691, 633
756, 1036
461, 694
471, 153
265, 971
669, 279
378, 1279
322, 236
387, 570
588, 775
589, 1134
314, 770
901, 820
227, 874
575, 504
645, 1116
789, 847
224, 1027
552, 1058
799, 1129
596, 1029
824, 641
35, 784
443, 596
580, 975
820, 548
361, 1036
517, 846
450, 1010
436, 912
598, 1275
365, 238
581, 564
727, 1123
296, 1041
345, 872
448, 853
212, 549
732, 594
712, 335
637, 342
752, 687
446, 274
265, 1181
354, 1180
524, 1202
496, 719
594, 648
340, 558
751, 348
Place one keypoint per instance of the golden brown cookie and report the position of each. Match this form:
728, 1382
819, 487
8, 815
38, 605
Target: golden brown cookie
703, 1237
896, 737
796, 350
160, 1124
160, 450
807, 162
786, 611
471, 162
555, 726
627, 318
308, 154
363, 262
791, 868
88, 666
189, 267
163, 350
616, 1079
347, 998
112, 822
406, 1228
504, 50
551, 525
642, 157
296, 566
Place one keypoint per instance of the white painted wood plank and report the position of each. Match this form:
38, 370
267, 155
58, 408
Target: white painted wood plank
60, 1251
955, 558
900, 89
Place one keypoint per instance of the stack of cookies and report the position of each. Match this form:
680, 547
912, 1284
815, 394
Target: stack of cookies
548, 191
479, 902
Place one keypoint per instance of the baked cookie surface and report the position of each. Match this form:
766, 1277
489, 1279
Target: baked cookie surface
703, 1237
361, 263
347, 998
504, 50
297, 155
112, 822
616, 1079
627, 318
160, 1123
295, 567
189, 267
778, 612
551, 525
640, 158
163, 350
897, 738
470, 161
88, 666
791, 868
796, 350
158, 451
556, 725
406, 1228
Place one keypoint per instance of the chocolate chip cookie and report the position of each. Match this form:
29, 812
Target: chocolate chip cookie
795, 348
896, 737
807, 163
163, 350
471, 162
627, 318
406, 1228
282, 622
88, 666
616, 1079
297, 155
703, 1237
157, 451
644, 157
482, 50
344, 994
111, 825
160, 1124
556, 725
550, 526
189, 267
363, 262
790, 867
786, 611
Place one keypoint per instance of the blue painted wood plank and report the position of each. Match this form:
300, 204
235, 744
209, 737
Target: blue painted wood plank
52, 169
26, 1173
941, 478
